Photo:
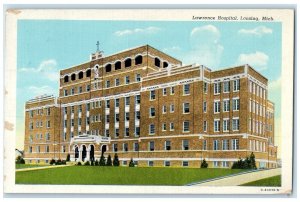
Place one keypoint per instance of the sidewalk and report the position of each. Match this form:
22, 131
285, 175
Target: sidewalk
240, 179
40, 168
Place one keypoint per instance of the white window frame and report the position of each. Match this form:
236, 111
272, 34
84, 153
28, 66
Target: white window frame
237, 124
150, 129
236, 85
185, 105
235, 144
217, 106
226, 86
226, 124
226, 105
184, 90
236, 104
217, 88
215, 121
171, 126
184, 127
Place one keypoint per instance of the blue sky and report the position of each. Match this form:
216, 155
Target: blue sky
45, 46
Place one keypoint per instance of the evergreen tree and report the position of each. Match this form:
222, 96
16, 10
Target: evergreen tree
68, 158
116, 161
131, 163
252, 161
102, 161
204, 164
96, 163
109, 162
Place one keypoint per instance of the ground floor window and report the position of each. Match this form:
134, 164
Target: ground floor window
150, 163
167, 163
216, 164
124, 163
46, 161
185, 163
225, 164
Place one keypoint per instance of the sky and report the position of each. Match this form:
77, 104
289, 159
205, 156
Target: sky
46, 46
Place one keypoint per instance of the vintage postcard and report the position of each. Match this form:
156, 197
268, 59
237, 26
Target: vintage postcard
149, 101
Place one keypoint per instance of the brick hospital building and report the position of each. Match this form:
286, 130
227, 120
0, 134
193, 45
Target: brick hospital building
144, 104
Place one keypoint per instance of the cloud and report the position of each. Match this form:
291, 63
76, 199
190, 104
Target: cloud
36, 91
147, 30
257, 31
259, 60
275, 84
46, 69
206, 48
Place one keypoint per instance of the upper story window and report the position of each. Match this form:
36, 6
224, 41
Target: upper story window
217, 106
185, 144
226, 105
236, 85
226, 86
204, 107
167, 145
66, 79
137, 99
48, 124
72, 91
127, 101
217, 88
152, 95
128, 62
138, 60
157, 62
117, 82
165, 65
65, 92
107, 103
151, 146
205, 87
127, 80
152, 112
186, 108
236, 104
80, 75
118, 65
117, 102
151, 129
31, 113
137, 77
73, 77
235, 144
88, 87
164, 90
186, 89
186, 126
107, 84
172, 90
108, 68
88, 106
88, 73
80, 89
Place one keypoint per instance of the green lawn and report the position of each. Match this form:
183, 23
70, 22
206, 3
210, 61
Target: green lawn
267, 182
120, 175
21, 166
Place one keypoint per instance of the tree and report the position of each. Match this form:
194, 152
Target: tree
247, 163
204, 164
131, 163
52, 162
252, 161
102, 161
87, 163
68, 158
20, 160
96, 163
109, 162
116, 161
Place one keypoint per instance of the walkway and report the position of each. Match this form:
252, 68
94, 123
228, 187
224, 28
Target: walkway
239, 179
40, 168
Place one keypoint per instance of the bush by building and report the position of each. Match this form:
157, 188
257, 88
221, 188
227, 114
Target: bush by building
102, 161
52, 162
248, 163
20, 160
87, 163
68, 158
109, 162
131, 163
204, 164
116, 161
96, 163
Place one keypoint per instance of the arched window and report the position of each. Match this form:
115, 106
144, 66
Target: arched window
66, 79
128, 62
88, 73
138, 60
165, 64
117, 65
108, 68
73, 77
157, 62
80, 75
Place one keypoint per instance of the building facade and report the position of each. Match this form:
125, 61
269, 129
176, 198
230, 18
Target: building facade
145, 105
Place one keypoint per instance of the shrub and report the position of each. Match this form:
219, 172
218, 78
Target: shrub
58, 162
68, 158
248, 163
131, 163
108, 162
116, 161
92, 163
87, 163
79, 163
204, 164
63, 162
20, 160
102, 161
96, 163
52, 161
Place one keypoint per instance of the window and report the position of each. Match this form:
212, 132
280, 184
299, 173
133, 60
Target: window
225, 145
87, 120
204, 107
117, 117
127, 101
172, 108
217, 105
72, 122
226, 105
88, 106
152, 112
48, 111
137, 99
235, 144
171, 126
107, 84
118, 65
79, 108
226, 86
117, 102
106, 133
107, 118
186, 108
167, 145
225, 125
152, 95
107, 103
186, 89
137, 131
138, 60
216, 144
235, 124
47, 149
31, 113
217, 125
72, 109
186, 126
204, 145
117, 132
185, 163
185, 145
150, 163
164, 126
117, 82
65, 92
31, 126
47, 136
172, 91
73, 77
151, 146
48, 124
30, 149
205, 87
167, 163
66, 79
225, 164
128, 62
151, 129
236, 104
137, 77
38, 149
126, 132
217, 88
236, 85
125, 147
108, 68
136, 146
164, 91
127, 80
72, 91
157, 62
124, 163
204, 126
164, 109
165, 64
115, 147
137, 115
80, 89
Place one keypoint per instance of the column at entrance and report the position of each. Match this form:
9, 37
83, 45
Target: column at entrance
87, 155
80, 154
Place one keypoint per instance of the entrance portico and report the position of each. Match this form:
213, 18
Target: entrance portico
88, 147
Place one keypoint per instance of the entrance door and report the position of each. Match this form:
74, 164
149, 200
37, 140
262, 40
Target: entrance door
83, 152
76, 153
103, 149
92, 153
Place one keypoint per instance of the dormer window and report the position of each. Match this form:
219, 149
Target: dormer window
128, 62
